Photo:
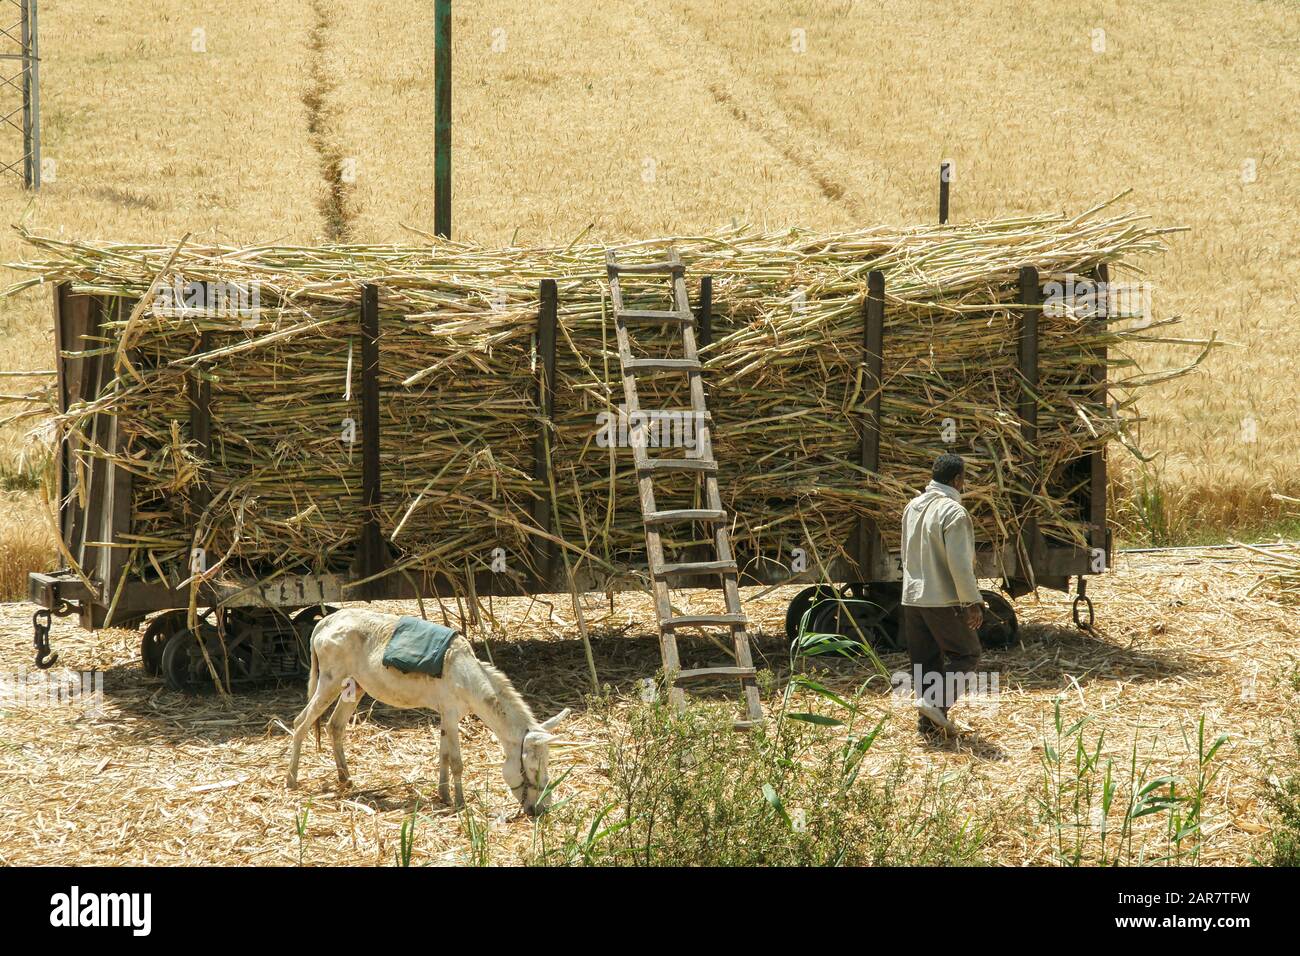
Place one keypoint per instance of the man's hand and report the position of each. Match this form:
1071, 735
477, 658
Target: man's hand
974, 616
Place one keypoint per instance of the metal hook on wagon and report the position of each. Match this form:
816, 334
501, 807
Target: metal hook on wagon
45, 659
1081, 599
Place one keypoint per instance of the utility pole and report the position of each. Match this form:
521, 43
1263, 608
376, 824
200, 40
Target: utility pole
20, 72
442, 118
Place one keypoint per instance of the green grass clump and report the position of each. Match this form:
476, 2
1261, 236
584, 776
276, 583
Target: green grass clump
687, 790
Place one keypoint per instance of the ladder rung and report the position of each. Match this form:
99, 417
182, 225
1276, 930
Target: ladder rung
663, 364
685, 514
703, 620
701, 672
653, 315
678, 464
664, 267
695, 567
746, 724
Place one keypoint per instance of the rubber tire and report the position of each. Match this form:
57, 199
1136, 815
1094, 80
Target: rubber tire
314, 613
883, 637
1000, 627
155, 638
178, 670
799, 607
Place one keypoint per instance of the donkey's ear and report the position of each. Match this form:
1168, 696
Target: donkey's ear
554, 721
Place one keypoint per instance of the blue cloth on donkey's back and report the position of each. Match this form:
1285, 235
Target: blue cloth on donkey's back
418, 646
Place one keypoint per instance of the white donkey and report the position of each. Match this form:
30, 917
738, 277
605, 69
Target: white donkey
351, 642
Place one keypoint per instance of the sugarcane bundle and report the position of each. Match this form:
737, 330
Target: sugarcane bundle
459, 382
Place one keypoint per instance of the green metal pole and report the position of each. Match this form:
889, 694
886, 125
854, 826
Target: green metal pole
442, 118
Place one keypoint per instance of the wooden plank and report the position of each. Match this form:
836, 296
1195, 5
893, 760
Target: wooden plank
695, 567
704, 314
945, 177
547, 323
73, 317
652, 465
1027, 407
685, 514
1098, 536
372, 552
704, 673
116, 522
63, 476
95, 372
651, 315
664, 267
705, 620
663, 364
199, 389
1031, 300
873, 344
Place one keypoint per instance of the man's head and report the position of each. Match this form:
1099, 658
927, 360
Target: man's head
949, 470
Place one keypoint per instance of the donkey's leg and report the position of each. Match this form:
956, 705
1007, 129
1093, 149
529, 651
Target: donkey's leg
452, 724
444, 752
327, 688
343, 712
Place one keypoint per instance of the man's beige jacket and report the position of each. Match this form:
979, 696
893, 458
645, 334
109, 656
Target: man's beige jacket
938, 550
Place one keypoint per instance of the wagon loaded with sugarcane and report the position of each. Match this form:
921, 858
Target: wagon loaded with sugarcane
246, 437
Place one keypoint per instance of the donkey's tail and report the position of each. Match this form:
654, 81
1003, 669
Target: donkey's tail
312, 676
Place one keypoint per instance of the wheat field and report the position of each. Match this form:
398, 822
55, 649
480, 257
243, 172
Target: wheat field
309, 121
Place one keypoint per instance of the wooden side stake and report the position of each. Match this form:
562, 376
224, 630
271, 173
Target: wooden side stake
1027, 407
873, 339
547, 319
372, 555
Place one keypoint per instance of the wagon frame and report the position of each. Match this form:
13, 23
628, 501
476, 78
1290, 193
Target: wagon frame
107, 596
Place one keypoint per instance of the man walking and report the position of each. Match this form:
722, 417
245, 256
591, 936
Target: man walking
942, 607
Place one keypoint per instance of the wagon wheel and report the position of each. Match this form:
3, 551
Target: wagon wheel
871, 617
887, 621
311, 615
1000, 626
183, 667
800, 605
304, 622
155, 638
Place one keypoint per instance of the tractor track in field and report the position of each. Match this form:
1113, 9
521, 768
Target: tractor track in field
754, 110
335, 203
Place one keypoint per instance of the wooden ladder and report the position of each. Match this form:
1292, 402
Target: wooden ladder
703, 465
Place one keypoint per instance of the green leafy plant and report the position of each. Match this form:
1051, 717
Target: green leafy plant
1092, 804
300, 825
1283, 796
406, 840
687, 790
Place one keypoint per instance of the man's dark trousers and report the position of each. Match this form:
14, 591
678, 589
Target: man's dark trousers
944, 647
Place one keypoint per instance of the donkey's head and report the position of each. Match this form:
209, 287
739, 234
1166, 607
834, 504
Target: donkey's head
526, 770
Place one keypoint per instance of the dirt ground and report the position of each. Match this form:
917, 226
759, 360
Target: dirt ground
157, 778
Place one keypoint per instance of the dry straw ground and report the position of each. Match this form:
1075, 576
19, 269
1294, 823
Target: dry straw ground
164, 779
1189, 103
